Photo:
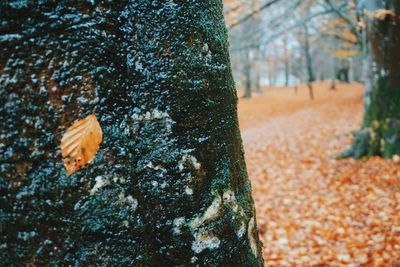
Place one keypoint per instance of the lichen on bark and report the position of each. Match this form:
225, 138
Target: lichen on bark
159, 74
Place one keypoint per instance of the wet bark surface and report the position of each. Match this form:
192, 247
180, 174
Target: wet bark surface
168, 186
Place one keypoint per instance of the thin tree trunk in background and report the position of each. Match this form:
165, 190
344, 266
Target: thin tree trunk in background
357, 68
252, 58
248, 72
256, 70
309, 67
333, 68
287, 68
343, 73
333, 85
257, 74
168, 186
380, 132
286, 63
310, 90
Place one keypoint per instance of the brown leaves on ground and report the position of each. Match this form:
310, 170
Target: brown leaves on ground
80, 143
312, 209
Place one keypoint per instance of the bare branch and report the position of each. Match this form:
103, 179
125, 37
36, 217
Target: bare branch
339, 37
350, 21
289, 28
251, 14
226, 13
273, 23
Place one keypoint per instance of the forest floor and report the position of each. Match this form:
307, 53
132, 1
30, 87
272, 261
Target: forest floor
313, 210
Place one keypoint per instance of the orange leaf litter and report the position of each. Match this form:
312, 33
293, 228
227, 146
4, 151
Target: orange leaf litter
313, 210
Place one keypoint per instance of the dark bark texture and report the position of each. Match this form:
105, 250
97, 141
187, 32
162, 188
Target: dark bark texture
380, 132
168, 186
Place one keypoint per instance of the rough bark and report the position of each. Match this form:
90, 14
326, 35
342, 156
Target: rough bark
380, 131
168, 186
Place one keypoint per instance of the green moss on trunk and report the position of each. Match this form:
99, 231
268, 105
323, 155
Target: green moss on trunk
380, 132
168, 186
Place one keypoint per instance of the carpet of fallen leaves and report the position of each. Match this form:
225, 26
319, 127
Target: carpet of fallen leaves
313, 210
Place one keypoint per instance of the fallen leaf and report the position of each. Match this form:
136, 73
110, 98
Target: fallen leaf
80, 143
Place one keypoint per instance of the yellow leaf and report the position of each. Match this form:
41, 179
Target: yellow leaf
345, 53
380, 14
80, 143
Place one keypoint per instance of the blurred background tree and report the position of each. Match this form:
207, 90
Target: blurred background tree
286, 43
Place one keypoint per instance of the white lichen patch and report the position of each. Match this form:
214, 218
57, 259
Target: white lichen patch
163, 184
26, 235
193, 259
149, 115
117, 179
382, 144
250, 235
372, 133
210, 213
188, 190
375, 124
172, 4
158, 168
178, 222
99, 184
125, 223
203, 240
129, 200
188, 159
194, 162
230, 199
242, 230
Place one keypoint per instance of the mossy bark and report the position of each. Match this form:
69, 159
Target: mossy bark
380, 131
168, 186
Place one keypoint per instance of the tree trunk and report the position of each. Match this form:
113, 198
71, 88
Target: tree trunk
357, 69
310, 90
343, 73
309, 67
286, 61
256, 70
333, 85
333, 74
247, 76
168, 186
380, 132
287, 68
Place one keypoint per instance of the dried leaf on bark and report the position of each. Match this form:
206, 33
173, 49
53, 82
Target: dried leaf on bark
80, 143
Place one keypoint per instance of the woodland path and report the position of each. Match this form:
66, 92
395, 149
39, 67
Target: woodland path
313, 210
